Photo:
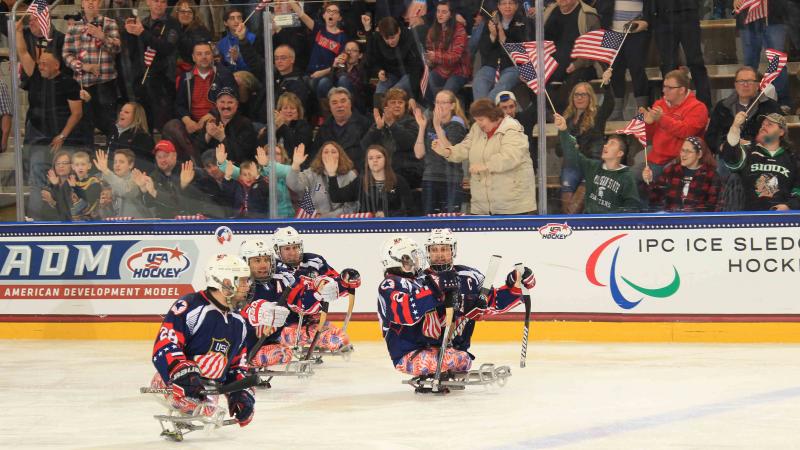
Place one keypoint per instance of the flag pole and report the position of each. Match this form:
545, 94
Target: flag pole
538, 75
147, 70
755, 102
614, 59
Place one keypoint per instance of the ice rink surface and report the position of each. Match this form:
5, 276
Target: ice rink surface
69, 394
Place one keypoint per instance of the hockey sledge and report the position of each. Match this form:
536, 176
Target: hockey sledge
486, 374
301, 369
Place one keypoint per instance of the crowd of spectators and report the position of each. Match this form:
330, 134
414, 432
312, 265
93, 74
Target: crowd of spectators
391, 108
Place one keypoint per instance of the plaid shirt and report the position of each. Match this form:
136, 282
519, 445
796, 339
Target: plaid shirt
78, 41
450, 58
667, 191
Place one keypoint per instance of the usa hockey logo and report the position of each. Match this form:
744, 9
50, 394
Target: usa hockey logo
158, 263
555, 231
223, 234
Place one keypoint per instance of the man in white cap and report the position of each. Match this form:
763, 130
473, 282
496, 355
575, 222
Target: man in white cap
507, 101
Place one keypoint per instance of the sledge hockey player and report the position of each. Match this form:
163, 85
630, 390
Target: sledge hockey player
407, 310
314, 271
266, 286
202, 340
441, 247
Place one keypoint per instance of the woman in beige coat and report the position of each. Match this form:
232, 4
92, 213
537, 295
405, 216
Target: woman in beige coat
501, 171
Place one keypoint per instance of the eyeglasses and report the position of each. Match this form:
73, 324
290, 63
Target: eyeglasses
687, 151
332, 11
672, 87
581, 94
746, 82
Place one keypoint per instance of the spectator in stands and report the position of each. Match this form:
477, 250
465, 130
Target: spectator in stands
131, 133
676, 23
6, 112
622, 16
289, 78
328, 43
768, 32
228, 45
793, 18
564, 21
218, 203
108, 206
285, 208
394, 57
54, 111
349, 73
123, 188
56, 194
291, 129
767, 166
85, 185
507, 101
192, 31
89, 50
501, 171
197, 92
250, 191
395, 130
36, 42
498, 72
345, 127
689, 185
446, 52
231, 128
746, 85
250, 91
330, 170
672, 119
159, 33
168, 191
610, 185
441, 180
586, 122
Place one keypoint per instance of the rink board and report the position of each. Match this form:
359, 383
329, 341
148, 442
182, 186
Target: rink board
702, 277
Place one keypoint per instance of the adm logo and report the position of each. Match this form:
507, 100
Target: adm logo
613, 284
555, 231
158, 263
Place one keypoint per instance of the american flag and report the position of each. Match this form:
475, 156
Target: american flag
41, 13
306, 209
636, 128
149, 56
598, 45
261, 5
527, 72
756, 9
775, 62
524, 52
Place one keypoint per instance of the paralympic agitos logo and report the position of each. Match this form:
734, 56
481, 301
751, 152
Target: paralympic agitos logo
613, 284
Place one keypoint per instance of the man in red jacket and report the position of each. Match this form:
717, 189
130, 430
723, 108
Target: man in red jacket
673, 118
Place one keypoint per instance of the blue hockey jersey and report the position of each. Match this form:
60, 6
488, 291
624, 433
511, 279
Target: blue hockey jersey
306, 300
197, 329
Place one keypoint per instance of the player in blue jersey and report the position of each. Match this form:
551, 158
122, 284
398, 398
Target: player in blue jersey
203, 339
441, 247
268, 297
313, 271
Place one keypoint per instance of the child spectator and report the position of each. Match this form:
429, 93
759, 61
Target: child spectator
128, 199
85, 185
250, 192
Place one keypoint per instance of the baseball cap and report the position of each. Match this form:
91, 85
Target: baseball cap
503, 96
774, 118
164, 146
227, 90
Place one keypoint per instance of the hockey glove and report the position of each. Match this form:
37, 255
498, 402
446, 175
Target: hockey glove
241, 404
528, 280
448, 281
351, 280
327, 289
186, 381
432, 283
474, 306
263, 313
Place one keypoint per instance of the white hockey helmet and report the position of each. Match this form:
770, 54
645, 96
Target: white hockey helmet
286, 236
256, 247
441, 236
401, 250
223, 273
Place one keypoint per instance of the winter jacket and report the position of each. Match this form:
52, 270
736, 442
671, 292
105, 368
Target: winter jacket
395, 203
452, 57
222, 77
285, 208
509, 185
348, 136
240, 139
141, 144
318, 184
249, 202
492, 53
171, 200
607, 191
398, 139
291, 135
590, 142
676, 124
722, 119
404, 59
129, 195
669, 193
